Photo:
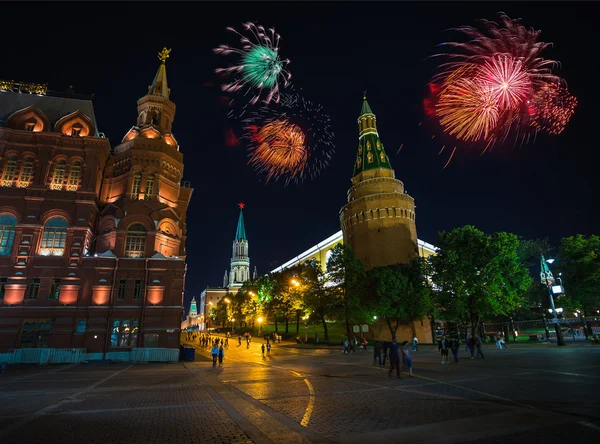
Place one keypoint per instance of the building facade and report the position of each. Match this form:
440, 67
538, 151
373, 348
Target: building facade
93, 241
239, 272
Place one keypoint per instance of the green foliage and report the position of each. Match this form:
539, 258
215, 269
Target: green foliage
529, 250
318, 302
348, 277
400, 293
579, 263
478, 275
219, 313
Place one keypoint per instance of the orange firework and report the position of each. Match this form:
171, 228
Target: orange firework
280, 150
553, 108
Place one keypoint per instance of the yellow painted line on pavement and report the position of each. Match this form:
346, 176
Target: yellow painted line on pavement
310, 406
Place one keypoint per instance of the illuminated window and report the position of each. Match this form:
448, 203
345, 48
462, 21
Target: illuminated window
58, 177
328, 256
54, 289
74, 174
33, 289
81, 326
7, 233
138, 288
124, 333
76, 129
29, 126
121, 289
149, 186
54, 237
26, 172
135, 188
135, 242
9, 171
3, 281
35, 334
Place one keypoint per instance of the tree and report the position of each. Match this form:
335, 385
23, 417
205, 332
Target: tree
400, 293
478, 275
579, 263
219, 313
347, 275
288, 291
318, 301
529, 251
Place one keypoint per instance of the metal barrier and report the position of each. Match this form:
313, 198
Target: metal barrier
42, 356
145, 355
67, 356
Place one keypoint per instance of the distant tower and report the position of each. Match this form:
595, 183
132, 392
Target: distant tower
193, 310
254, 273
379, 219
240, 262
546, 275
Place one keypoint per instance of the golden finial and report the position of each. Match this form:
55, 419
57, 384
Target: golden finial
164, 54
365, 95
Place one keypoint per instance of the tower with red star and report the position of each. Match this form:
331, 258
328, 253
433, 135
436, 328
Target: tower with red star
240, 261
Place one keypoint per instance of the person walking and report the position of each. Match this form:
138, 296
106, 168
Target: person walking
469, 344
346, 346
352, 345
477, 342
214, 352
454, 346
395, 359
377, 352
239, 340
415, 343
386, 351
221, 355
268, 349
407, 358
364, 344
498, 339
443, 347
262, 348
227, 342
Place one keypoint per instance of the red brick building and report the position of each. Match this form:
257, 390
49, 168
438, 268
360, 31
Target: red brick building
92, 242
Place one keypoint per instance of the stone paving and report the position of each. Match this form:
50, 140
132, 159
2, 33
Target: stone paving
522, 394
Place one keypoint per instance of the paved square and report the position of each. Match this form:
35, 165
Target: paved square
527, 393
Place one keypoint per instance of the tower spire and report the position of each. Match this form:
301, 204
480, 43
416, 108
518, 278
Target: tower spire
545, 273
159, 85
370, 154
240, 233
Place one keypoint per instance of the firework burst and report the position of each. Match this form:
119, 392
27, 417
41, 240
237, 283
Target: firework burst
496, 84
259, 67
280, 125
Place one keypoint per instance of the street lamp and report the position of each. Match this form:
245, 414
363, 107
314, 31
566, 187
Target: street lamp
295, 283
232, 321
260, 320
251, 293
548, 279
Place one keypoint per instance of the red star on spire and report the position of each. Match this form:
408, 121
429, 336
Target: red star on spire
241, 205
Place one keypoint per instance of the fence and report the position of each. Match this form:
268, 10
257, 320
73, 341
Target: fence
43, 356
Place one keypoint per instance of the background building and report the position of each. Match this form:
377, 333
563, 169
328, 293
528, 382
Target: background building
93, 242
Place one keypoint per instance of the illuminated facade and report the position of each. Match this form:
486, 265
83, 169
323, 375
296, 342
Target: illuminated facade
93, 242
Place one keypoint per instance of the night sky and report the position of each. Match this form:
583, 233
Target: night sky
337, 50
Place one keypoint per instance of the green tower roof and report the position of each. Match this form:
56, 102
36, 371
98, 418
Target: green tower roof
240, 233
371, 153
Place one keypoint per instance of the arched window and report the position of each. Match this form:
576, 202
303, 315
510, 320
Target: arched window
74, 174
135, 242
9, 171
58, 177
26, 172
149, 186
135, 188
7, 233
54, 237
76, 129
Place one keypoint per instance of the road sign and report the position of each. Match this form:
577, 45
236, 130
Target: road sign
555, 320
365, 328
356, 329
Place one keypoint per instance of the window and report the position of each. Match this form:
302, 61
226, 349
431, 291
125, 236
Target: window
137, 289
59, 175
135, 242
76, 129
26, 172
33, 289
7, 233
3, 281
149, 186
150, 340
29, 126
9, 171
54, 237
35, 334
135, 188
81, 326
54, 289
74, 174
124, 333
121, 289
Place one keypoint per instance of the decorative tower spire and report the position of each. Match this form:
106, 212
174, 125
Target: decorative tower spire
225, 280
193, 309
371, 154
546, 275
255, 273
240, 262
159, 85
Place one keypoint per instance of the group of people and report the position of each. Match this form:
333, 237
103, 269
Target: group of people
392, 351
247, 338
349, 345
217, 352
472, 345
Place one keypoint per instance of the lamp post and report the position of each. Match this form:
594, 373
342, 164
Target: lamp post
260, 321
232, 321
548, 279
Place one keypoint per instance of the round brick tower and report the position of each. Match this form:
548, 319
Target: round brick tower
379, 219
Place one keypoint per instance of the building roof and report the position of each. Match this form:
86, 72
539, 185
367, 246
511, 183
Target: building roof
240, 233
370, 154
54, 108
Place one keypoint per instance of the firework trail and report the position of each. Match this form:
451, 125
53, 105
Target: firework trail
292, 115
497, 83
258, 67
